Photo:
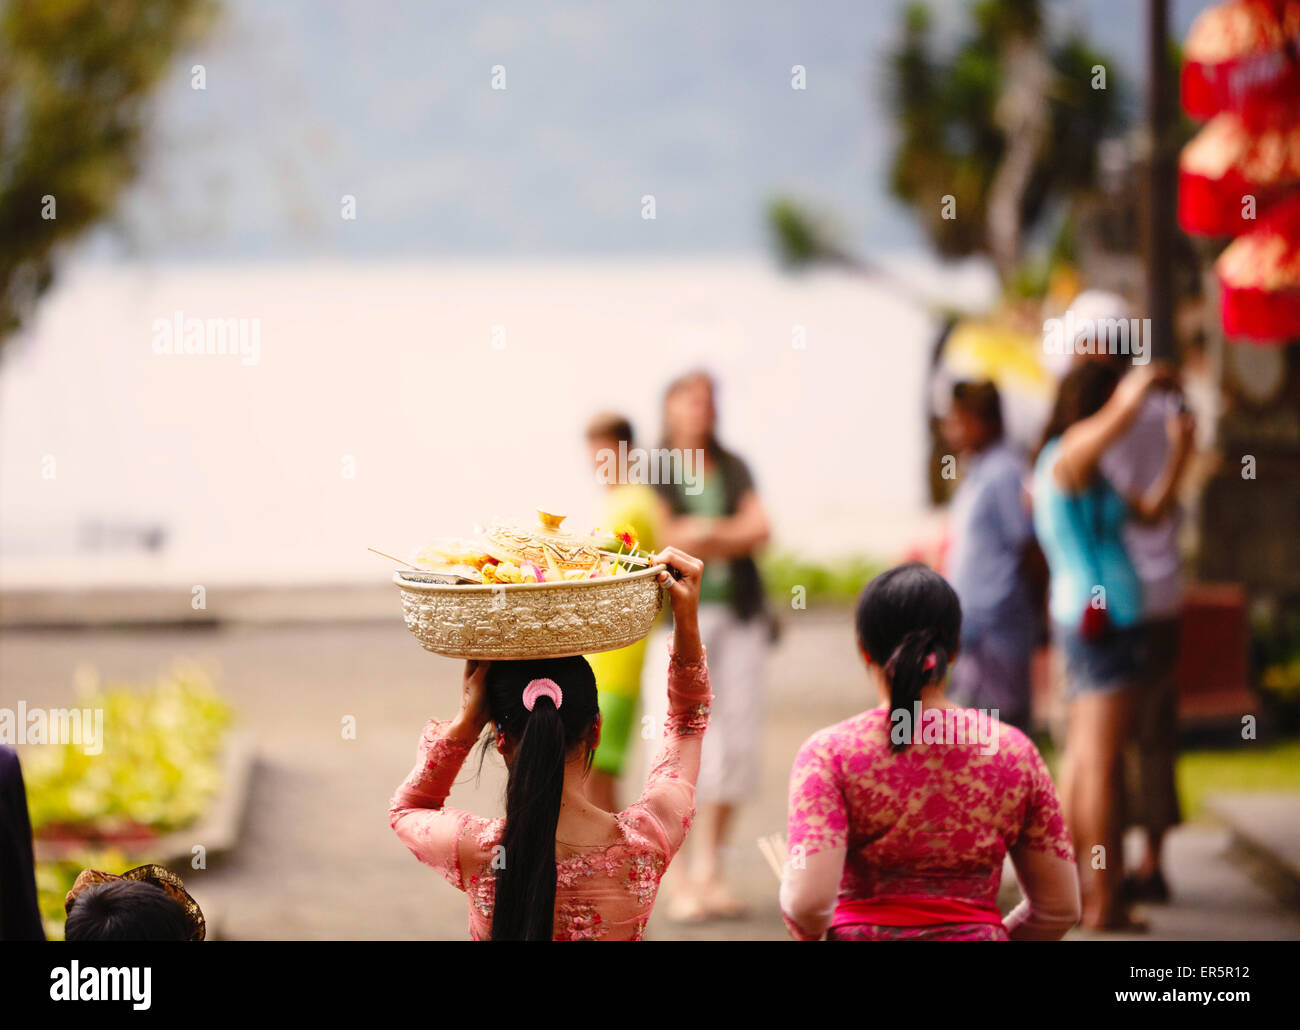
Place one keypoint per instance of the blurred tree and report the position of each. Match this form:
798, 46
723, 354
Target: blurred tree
1005, 125
803, 238
75, 80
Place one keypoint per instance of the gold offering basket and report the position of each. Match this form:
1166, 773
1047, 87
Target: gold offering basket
529, 620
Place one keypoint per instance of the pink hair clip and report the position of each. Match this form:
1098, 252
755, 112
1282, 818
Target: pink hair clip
543, 687
931, 660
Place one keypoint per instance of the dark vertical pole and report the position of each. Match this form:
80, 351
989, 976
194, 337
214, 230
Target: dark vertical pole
1161, 184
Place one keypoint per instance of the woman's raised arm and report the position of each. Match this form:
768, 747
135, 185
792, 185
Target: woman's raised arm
1153, 505
431, 832
669, 795
1083, 444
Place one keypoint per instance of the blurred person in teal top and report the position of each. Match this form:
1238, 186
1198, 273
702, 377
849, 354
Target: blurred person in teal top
1082, 536
1096, 603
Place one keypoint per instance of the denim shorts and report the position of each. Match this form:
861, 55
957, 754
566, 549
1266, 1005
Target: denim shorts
1099, 666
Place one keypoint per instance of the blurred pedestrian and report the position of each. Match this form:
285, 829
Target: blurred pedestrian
718, 516
20, 915
1133, 465
992, 543
627, 506
1096, 603
901, 816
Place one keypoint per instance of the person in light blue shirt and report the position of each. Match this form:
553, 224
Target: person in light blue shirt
990, 532
1095, 603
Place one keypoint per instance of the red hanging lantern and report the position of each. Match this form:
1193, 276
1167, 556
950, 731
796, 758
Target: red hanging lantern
1229, 177
1242, 56
1259, 278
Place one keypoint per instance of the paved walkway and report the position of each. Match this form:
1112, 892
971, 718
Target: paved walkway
318, 860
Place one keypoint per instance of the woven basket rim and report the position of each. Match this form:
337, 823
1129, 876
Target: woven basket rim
461, 588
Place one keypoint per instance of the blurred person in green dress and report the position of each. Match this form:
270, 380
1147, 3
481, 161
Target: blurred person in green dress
714, 508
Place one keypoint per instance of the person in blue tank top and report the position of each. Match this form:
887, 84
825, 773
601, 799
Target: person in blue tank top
1095, 603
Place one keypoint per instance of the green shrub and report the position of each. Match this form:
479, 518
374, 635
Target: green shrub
158, 767
837, 582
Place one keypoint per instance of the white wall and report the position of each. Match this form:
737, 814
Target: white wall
392, 364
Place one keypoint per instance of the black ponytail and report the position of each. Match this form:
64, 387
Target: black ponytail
542, 739
909, 623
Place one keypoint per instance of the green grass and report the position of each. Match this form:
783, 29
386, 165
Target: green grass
835, 582
1253, 767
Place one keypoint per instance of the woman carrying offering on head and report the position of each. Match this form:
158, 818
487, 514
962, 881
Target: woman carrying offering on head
559, 867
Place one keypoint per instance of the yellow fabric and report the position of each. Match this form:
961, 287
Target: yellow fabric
1011, 359
633, 504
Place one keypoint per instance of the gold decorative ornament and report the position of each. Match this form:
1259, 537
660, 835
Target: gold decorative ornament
544, 544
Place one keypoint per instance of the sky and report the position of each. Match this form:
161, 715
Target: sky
480, 209
391, 102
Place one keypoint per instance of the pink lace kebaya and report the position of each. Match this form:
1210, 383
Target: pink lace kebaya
910, 844
601, 893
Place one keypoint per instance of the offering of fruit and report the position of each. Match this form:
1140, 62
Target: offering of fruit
543, 545
456, 556
517, 551
525, 589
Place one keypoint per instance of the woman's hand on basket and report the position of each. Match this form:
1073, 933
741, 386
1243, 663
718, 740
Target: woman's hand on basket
474, 714
684, 588
684, 596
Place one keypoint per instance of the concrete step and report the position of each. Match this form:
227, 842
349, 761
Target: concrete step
1265, 832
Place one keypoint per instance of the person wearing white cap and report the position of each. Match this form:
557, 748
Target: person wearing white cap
1132, 463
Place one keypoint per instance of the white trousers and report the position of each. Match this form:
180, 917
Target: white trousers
730, 759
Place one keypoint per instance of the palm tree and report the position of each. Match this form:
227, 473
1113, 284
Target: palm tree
1007, 126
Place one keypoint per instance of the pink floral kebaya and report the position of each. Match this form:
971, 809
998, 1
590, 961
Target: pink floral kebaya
603, 893
926, 828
